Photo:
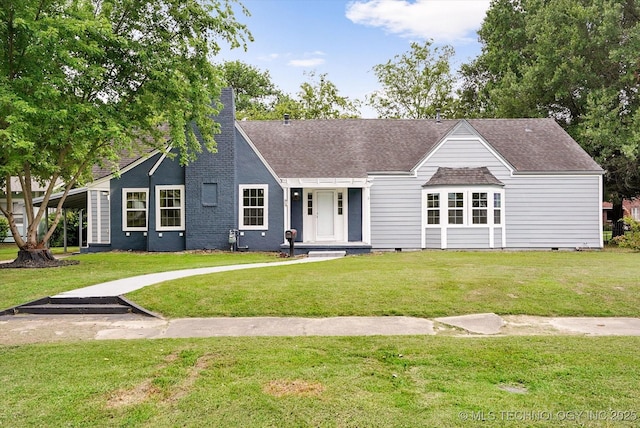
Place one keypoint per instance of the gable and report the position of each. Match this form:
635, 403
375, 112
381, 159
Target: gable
463, 147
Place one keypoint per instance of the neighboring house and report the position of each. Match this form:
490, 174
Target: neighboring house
630, 208
357, 185
18, 204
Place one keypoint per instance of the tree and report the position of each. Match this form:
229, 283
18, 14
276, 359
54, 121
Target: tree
321, 100
415, 84
4, 229
255, 92
81, 81
575, 61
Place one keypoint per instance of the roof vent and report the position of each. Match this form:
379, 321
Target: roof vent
438, 120
286, 119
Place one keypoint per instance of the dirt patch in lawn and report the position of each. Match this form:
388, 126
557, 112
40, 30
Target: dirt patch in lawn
301, 388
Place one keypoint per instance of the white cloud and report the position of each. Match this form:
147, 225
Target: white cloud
309, 62
440, 20
269, 57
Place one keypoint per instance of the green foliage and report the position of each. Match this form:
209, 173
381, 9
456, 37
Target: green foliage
321, 100
257, 98
57, 238
575, 61
254, 90
82, 81
415, 84
631, 237
4, 228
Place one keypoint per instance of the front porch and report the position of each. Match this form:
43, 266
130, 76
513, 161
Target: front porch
350, 248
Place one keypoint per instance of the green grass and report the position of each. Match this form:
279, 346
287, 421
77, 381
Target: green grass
298, 382
424, 284
23, 285
10, 251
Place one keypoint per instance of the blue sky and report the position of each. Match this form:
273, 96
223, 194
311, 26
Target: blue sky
346, 38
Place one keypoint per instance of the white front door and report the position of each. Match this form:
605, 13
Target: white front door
325, 215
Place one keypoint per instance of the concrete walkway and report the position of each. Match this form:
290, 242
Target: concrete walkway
25, 329
127, 285
19, 329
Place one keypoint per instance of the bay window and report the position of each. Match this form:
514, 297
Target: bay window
463, 207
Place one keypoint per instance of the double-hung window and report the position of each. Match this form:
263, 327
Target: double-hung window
134, 209
456, 207
170, 208
479, 208
254, 203
497, 208
433, 208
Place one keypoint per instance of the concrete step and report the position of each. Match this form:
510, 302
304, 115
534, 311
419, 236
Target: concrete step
327, 253
78, 305
67, 309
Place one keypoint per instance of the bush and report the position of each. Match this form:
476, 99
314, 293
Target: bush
4, 228
631, 237
57, 239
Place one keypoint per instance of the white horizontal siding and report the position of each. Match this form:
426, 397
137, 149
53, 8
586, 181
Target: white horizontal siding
464, 153
468, 238
433, 237
548, 212
396, 212
540, 211
105, 218
396, 204
497, 238
94, 218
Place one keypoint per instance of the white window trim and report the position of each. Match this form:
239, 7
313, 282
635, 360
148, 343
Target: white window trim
241, 189
159, 227
126, 190
468, 192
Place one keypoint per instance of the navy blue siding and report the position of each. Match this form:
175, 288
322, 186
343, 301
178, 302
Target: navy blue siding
136, 177
251, 170
208, 224
355, 215
297, 208
170, 173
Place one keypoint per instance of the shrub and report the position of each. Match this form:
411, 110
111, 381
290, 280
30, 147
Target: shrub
57, 239
631, 237
4, 228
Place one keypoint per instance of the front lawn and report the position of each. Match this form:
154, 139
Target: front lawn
423, 284
318, 382
10, 251
23, 285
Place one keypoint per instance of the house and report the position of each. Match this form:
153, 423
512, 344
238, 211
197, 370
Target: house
630, 208
18, 206
357, 185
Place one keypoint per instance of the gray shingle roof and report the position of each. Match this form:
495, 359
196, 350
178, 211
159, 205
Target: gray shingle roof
355, 147
463, 176
534, 145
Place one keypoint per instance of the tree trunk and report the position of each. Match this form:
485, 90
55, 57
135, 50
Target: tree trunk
617, 213
36, 258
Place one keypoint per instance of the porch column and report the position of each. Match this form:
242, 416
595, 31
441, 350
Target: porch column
366, 213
